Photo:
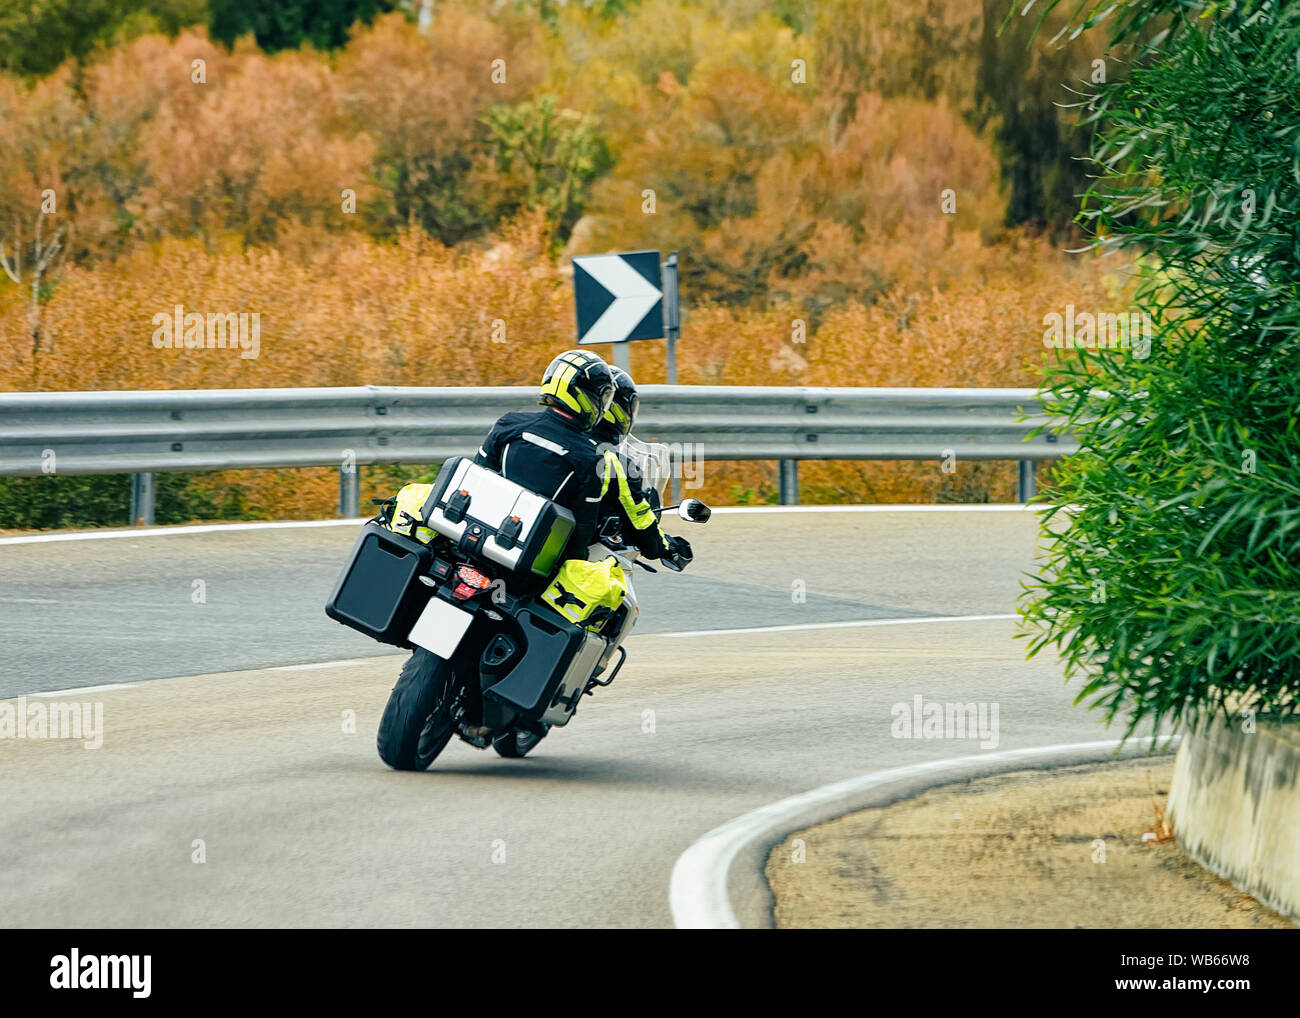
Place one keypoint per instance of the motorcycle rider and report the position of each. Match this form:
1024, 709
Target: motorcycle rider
623, 494
553, 451
567, 453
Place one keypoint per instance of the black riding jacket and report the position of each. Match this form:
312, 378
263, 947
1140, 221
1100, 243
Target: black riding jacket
549, 453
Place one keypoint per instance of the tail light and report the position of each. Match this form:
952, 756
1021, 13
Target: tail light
469, 581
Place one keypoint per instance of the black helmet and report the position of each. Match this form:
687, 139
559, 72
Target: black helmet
579, 382
621, 415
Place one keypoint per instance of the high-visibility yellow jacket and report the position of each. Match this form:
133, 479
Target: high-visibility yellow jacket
624, 497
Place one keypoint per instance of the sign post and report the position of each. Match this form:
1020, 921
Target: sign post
623, 357
672, 315
672, 329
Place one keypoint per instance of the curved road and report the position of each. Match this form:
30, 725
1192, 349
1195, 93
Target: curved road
269, 773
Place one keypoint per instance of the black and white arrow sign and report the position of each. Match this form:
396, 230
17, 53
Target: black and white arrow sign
619, 297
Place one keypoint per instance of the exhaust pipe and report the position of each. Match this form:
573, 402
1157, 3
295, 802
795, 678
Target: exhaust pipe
478, 736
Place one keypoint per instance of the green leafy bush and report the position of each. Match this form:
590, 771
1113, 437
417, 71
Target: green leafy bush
103, 500
1171, 580
55, 501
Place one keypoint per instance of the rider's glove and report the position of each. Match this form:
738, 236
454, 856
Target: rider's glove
679, 554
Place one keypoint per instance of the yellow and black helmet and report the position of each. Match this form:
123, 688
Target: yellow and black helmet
578, 382
621, 414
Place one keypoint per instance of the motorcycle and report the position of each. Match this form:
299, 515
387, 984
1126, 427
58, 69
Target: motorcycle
497, 659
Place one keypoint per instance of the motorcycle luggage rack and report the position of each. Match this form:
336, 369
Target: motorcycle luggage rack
593, 681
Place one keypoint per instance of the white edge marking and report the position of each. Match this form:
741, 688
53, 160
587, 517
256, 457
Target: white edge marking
201, 528
851, 624
697, 892
212, 528
313, 666
344, 662
79, 692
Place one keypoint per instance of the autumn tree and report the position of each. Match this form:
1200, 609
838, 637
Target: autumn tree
421, 97
1011, 85
222, 162
547, 157
35, 198
35, 38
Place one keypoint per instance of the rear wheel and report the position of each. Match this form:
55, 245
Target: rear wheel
416, 725
516, 743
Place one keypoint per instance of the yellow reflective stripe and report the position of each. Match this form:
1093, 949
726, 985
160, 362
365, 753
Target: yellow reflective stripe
604, 481
640, 513
558, 386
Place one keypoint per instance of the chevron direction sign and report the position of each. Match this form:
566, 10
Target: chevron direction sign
619, 297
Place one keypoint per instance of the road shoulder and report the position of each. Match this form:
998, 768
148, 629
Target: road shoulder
1044, 849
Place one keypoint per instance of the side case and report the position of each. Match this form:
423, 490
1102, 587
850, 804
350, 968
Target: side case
548, 681
379, 593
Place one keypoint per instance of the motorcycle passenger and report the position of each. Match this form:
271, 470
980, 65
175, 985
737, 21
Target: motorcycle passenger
552, 451
623, 494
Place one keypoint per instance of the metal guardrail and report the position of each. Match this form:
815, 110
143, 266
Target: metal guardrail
207, 429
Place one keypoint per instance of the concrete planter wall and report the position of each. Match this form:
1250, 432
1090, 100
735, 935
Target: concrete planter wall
1234, 806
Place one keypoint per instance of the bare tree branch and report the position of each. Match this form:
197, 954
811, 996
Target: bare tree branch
47, 257
13, 273
14, 269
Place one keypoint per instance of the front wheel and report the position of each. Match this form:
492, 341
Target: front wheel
516, 743
416, 725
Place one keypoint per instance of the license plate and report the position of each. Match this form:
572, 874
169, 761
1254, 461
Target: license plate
440, 627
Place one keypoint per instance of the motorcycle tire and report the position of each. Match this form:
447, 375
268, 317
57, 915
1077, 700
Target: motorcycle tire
515, 744
417, 725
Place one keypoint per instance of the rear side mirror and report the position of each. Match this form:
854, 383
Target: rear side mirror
692, 510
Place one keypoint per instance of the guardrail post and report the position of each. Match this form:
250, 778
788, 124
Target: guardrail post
142, 499
789, 482
349, 491
1027, 482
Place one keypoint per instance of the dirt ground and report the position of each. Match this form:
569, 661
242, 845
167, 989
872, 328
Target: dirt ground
1042, 849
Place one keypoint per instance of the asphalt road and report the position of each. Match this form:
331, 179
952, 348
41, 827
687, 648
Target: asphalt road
83, 613
271, 773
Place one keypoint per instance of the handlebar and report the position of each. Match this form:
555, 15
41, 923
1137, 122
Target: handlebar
617, 546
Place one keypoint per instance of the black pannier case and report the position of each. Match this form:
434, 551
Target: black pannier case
379, 592
548, 681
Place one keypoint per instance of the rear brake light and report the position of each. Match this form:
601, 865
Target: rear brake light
469, 581
472, 577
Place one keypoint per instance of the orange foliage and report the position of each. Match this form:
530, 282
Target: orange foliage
746, 183
835, 233
358, 311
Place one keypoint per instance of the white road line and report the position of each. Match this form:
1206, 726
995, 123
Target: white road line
322, 664
82, 690
273, 668
854, 624
697, 892
314, 665
212, 528
201, 528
